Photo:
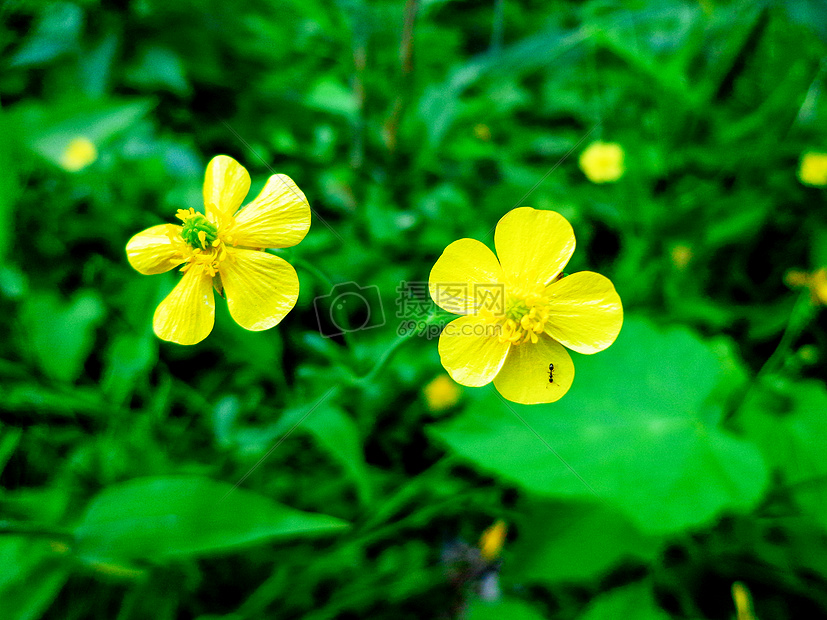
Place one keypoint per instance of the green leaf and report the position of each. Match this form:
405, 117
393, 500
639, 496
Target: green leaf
129, 357
337, 433
31, 578
510, 608
574, 542
9, 438
160, 518
329, 95
788, 422
633, 602
57, 32
160, 68
639, 425
62, 333
9, 189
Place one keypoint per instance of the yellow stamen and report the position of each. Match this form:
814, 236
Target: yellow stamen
525, 316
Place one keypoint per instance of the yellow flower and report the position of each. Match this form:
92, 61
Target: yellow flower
223, 249
816, 282
518, 311
602, 162
492, 539
441, 393
78, 154
813, 170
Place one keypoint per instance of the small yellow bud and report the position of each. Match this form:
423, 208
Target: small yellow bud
816, 282
482, 132
602, 162
681, 255
492, 539
808, 354
442, 393
78, 154
813, 170
59, 547
743, 601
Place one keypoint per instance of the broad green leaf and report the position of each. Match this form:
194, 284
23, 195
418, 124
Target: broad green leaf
61, 333
57, 31
574, 542
129, 357
31, 578
9, 438
507, 608
788, 422
159, 68
640, 427
160, 518
632, 602
338, 434
329, 95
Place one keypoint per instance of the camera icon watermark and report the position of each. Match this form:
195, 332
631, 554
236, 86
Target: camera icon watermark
349, 307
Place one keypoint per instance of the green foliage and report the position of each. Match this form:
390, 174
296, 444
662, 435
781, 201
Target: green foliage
299, 472
159, 518
635, 429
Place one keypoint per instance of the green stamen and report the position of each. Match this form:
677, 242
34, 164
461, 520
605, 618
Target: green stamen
516, 309
196, 224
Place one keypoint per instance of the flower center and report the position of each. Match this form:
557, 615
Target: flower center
205, 246
198, 231
525, 318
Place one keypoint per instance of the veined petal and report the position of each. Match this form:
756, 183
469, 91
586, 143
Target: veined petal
533, 246
467, 278
187, 314
152, 251
585, 313
225, 185
260, 288
279, 217
471, 351
524, 376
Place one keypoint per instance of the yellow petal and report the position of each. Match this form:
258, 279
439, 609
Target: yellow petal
260, 288
524, 376
471, 351
533, 246
585, 313
187, 315
225, 185
278, 218
466, 278
151, 251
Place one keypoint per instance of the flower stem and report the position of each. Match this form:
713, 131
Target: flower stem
800, 317
389, 352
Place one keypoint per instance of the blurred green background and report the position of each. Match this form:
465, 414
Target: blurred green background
284, 474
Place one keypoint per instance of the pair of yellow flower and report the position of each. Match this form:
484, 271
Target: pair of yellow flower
518, 311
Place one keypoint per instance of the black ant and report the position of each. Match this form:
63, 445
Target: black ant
550, 371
